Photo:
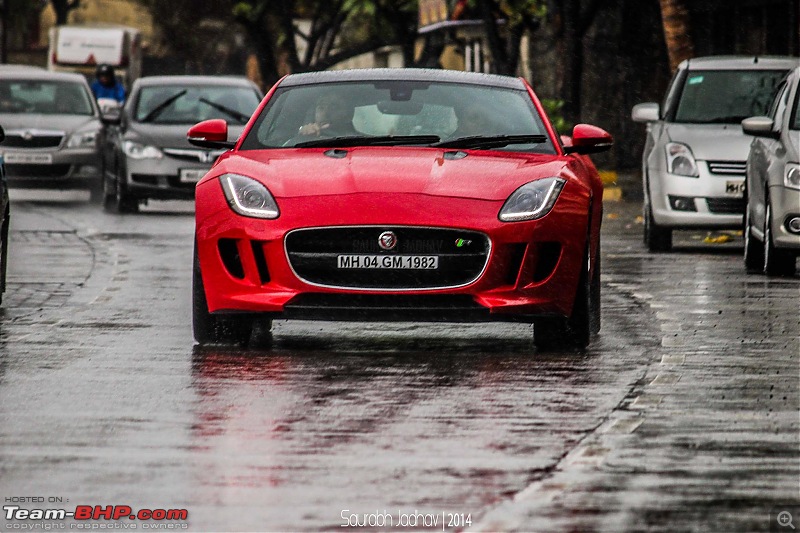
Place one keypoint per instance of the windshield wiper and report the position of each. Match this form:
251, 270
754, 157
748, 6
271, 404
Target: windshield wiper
368, 140
490, 141
162, 106
241, 117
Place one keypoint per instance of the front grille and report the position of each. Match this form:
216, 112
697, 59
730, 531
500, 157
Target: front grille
188, 154
37, 171
726, 206
37, 141
728, 168
163, 180
313, 255
388, 307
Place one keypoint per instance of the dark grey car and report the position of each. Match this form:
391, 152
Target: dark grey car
147, 154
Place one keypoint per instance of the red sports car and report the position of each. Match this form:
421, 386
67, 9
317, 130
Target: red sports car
394, 194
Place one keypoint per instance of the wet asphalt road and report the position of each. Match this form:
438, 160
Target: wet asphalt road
684, 415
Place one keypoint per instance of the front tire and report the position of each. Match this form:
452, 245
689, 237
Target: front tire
125, 203
753, 251
777, 262
657, 238
574, 332
212, 329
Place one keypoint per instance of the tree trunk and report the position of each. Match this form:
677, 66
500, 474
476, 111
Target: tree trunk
675, 18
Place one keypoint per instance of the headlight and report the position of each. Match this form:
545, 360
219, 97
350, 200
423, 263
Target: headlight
86, 139
680, 160
791, 175
136, 150
533, 200
248, 197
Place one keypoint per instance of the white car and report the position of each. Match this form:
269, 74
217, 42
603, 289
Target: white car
772, 218
693, 165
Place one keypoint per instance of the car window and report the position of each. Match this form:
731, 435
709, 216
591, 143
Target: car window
726, 96
778, 107
44, 97
175, 104
795, 123
397, 108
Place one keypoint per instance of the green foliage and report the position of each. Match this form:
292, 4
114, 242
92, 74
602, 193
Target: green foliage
554, 109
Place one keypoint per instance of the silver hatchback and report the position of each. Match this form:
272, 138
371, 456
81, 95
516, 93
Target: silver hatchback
772, 218
693, 165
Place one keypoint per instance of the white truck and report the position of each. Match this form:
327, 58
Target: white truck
82, 48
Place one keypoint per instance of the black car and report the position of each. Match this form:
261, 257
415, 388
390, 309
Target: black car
5, 210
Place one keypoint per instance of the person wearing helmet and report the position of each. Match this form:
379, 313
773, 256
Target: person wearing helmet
106, 84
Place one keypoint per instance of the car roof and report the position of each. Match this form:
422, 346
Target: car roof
33, 73
403, 74
149, 81
741, 63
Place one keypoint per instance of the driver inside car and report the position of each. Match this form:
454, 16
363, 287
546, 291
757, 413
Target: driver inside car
333, 117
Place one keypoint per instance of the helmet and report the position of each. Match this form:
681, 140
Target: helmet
104, 70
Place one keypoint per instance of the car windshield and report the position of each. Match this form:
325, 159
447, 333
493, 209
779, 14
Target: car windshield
399, 113
796, 112
44, 97
176, 104
726, 96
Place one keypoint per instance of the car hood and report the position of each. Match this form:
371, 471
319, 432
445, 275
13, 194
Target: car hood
479, 175
712, 142
169, 135
66, 123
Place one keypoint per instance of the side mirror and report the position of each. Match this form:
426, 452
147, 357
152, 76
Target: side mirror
760, 127
2, 134
588, 139
210, 134
648, 112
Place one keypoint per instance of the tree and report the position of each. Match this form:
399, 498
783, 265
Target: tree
518, 17
337, 30
675, 18
576, 18
62, 9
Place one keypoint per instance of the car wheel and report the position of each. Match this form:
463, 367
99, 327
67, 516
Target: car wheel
4, 255
125, 203
656, 238
553, 334
753, 251
211, 329
776, 262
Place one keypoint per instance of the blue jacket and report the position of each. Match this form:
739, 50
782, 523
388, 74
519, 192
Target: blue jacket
116, 92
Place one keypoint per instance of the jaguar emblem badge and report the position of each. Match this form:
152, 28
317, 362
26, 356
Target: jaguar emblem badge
28, 136
387, 240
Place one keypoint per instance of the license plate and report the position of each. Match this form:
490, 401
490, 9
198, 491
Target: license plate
735, 188
191, 175
397, 262
22, 158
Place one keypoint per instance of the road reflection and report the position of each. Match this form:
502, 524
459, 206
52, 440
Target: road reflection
401, 420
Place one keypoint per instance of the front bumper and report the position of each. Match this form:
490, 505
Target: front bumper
532, 270
716, 205
162, 178
785, 204
67, 169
